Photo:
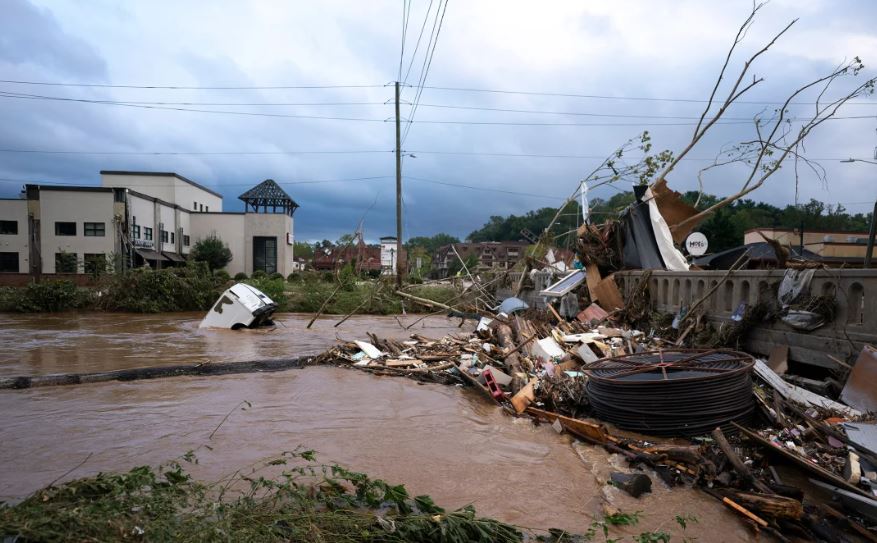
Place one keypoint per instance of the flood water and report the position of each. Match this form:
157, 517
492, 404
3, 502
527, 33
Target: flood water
439, 440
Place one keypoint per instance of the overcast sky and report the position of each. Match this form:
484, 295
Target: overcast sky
645, 49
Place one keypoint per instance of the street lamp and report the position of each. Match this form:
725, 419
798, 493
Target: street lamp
869, 252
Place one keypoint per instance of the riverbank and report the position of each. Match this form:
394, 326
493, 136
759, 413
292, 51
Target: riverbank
194, 288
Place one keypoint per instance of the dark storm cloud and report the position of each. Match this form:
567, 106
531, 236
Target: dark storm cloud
32, 36
671, 49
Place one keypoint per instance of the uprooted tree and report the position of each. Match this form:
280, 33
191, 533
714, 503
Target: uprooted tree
777, 135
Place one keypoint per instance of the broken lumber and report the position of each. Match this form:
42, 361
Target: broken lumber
771, 505
738, 464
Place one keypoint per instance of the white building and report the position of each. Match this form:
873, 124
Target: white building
141, 218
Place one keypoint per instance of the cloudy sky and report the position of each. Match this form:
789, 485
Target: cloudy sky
331, 147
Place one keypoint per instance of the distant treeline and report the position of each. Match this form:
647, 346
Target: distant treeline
724, 228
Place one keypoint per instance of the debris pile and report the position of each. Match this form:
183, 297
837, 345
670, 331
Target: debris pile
599, 379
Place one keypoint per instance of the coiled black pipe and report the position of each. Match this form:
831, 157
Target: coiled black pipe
678, 392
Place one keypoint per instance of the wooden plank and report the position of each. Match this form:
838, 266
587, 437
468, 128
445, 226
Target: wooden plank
401, 363
595, 433
525, 396
593, 278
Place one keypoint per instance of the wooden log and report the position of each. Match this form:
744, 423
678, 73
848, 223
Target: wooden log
153, 372
589, 431
771, 505
738, 464
745, 512
504, 335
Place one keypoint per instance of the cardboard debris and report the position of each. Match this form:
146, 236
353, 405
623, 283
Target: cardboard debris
586, 353
673, 209
524, 397
778, 360
861, 388
608, 295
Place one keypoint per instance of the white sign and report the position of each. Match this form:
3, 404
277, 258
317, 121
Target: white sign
696, 244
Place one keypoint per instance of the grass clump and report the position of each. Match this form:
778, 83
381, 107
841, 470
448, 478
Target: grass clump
307, 502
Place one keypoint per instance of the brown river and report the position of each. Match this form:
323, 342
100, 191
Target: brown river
440, 440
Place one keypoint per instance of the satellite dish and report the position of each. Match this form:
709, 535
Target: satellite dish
696, 244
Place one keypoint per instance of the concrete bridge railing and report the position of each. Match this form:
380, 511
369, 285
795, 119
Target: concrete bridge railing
855, 291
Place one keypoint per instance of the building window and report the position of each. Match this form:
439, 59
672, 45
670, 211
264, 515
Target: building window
195, 206
95, 229
65, 228
147, 233
265, 254
185, 241
9, 262
202, 207
164, 235
9, 227
135, 231
172, 237
65, 262
95, 263
207, 208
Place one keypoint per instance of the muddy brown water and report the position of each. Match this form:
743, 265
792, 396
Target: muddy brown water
439, 440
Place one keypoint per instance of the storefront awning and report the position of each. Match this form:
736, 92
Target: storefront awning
174, 257
149, 254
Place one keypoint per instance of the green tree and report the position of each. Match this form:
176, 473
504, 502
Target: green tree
302, 249
431, 243
212, 251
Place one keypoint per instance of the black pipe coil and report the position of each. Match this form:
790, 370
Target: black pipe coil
679, 392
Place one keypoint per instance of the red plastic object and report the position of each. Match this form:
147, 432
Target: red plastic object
492, 385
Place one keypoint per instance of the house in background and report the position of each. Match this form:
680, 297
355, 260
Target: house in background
141, 219
832, 247
491, 255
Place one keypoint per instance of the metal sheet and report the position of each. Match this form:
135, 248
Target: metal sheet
861, 388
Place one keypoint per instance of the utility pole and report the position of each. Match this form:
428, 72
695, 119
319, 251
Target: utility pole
398, 193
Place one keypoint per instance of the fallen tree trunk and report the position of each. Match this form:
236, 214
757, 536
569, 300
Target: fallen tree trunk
153, 372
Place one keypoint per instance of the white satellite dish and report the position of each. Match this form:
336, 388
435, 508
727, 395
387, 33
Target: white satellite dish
696, 244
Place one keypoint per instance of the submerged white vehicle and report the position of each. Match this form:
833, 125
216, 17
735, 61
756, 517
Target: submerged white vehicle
241, 306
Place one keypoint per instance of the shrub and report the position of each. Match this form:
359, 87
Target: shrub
221, 275
241, 276
294, 277
276, 275
259, 274
144, 290
48, 296
273, 287
212, 251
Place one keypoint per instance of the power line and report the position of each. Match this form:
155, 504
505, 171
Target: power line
631, 98
180, 87
4, 94
216, 185
350, 152
188, 153
406, 14
611, 115
427, 61
417, 45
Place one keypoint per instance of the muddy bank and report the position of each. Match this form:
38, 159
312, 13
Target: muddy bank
444, 441
41, 344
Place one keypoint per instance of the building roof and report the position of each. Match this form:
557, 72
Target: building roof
162, 174
761, 251
269, 194
806, 231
